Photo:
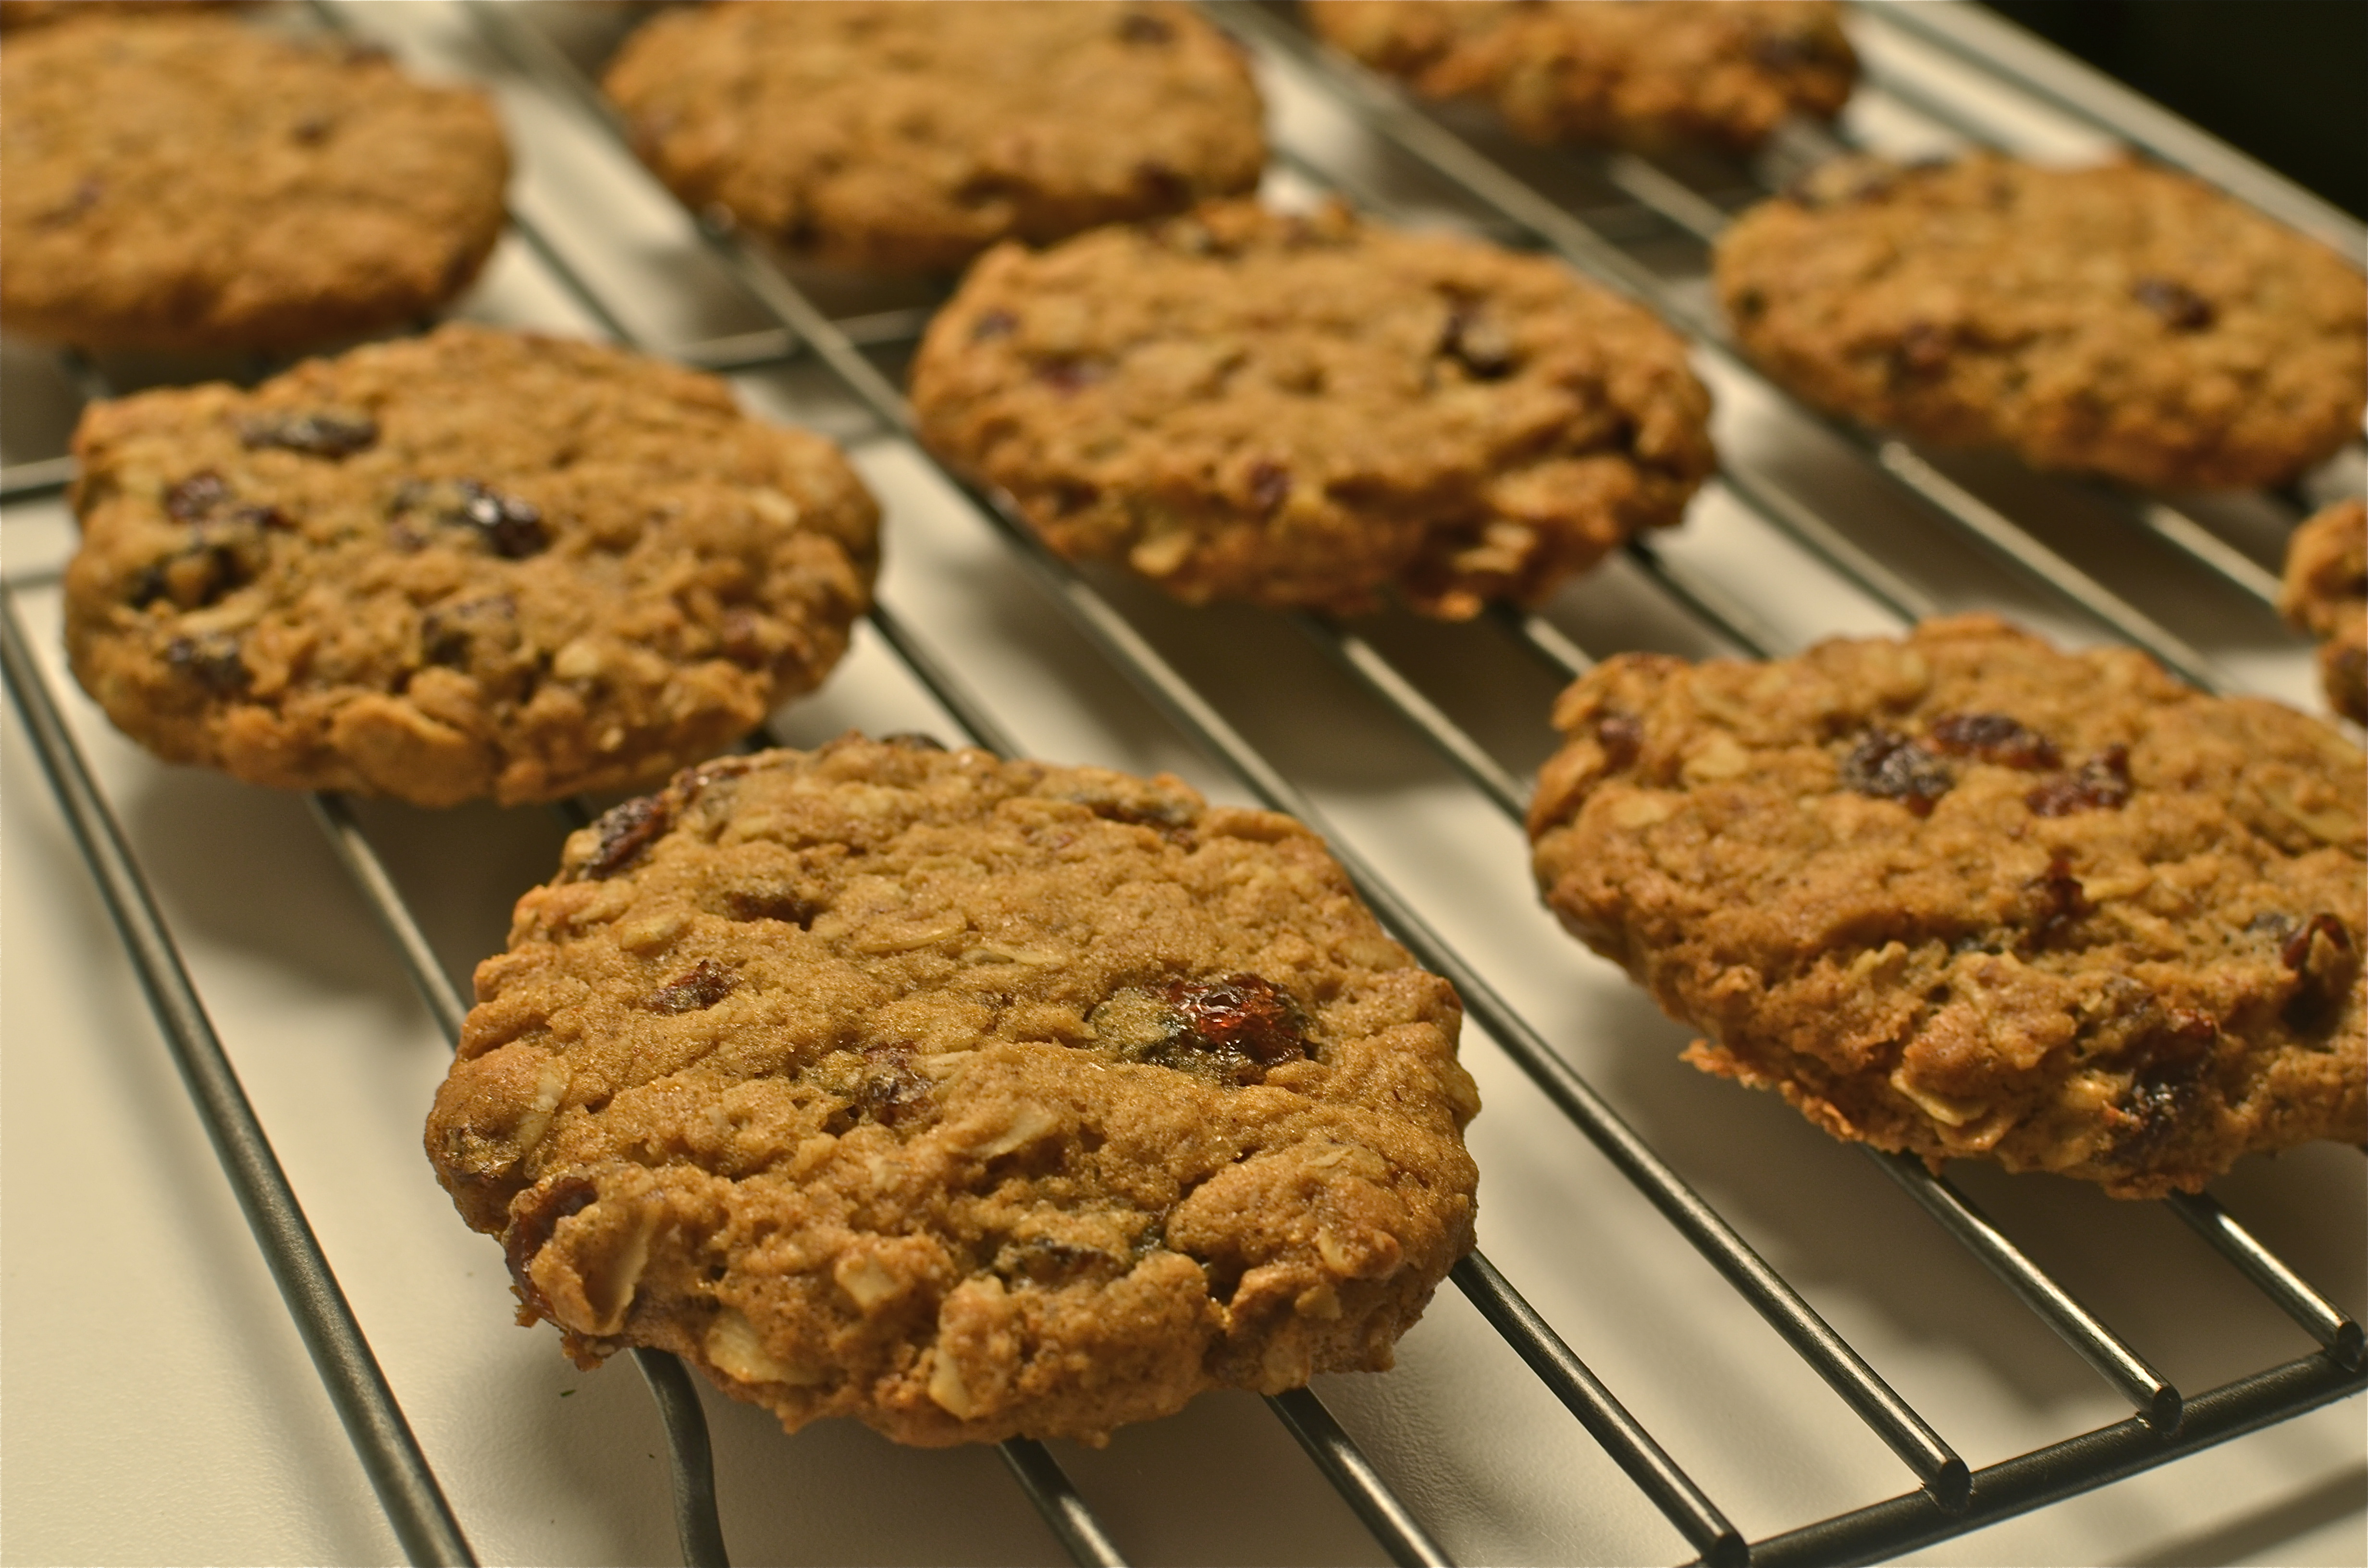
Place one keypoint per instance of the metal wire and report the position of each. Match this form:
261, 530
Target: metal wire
1900, 1426
1881, 1529
1385, 109
383, 1441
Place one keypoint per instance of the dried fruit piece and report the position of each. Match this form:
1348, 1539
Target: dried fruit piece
1888, 765
196, 496
1993, 737
1478, 343
1137, 26
1622, 736
2181, 308
892, 1092
1245, 1014
534, 1215
2101, 784
212, 660
2055, 899
701, 988
315, 434
625, 831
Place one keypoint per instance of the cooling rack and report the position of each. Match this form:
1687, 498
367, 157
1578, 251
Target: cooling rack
1752, 1387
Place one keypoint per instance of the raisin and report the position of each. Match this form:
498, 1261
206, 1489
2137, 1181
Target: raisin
511, 526
1750, 304
315, 434
2160, 1098
1622, 736
196, 496
86, 195
993, 325
1477, 343
449, 634
1922, 349
1993, 737
697, 989
1890, 767
1785, 51
688, 784
772, 903
146, 586
1137, 28
1067, 376
531, 1230
1042, 1260
1161, 185
2101, 784
1269, 484
2055, 900
1244, 1015
912, 740
892, 1091
311, 131
1071, 497
2323, 974
2296, 953
212, 660
625, 831
2181, 308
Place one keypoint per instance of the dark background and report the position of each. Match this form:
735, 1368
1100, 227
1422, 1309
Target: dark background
2284, 80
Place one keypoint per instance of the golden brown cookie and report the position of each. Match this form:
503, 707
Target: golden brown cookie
16, 13
911, 138
1968, 896
474, 564
969, 1099
2125, 320
1631, 72
2327, 595
1308, 410
189, 182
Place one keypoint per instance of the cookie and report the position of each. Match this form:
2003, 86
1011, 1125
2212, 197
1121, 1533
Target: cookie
969, 1099
1303, 411
189, 182
474, 564
910, 138
2125, 320
2327, 595
1630, 73
15, 14
1968, 896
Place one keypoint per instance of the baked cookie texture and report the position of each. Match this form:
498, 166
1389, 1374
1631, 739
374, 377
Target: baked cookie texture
474, 564
910, 138
189, 182
1636, 73
15, 14
2123, 320
1306, 410
970, 1098
2327, 595
1968, 896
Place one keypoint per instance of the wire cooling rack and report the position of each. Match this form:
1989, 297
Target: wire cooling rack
1811, 527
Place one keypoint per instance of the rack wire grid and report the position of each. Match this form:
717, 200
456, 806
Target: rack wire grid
1807, 1363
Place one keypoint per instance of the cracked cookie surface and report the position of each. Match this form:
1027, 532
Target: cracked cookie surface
2125, 320
2325, 593
1645, 73
969, 1099
1965, 895
911, 138
190, 182
477, 563
1302, 411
